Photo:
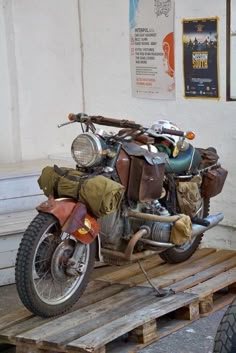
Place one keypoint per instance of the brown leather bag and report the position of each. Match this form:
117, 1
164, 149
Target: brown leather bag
213, 182
145, 180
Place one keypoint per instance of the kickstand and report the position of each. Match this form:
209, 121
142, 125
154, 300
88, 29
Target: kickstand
160, 292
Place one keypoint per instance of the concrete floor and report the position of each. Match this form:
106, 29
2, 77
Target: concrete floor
195, 338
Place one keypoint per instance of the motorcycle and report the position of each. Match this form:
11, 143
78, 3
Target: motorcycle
133, 191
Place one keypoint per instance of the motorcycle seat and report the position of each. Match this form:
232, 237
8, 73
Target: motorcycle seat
186, 161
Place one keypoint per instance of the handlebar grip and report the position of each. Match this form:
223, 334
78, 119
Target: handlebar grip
120, 123
173, 132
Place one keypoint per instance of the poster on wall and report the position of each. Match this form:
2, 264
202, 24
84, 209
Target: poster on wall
152, 48
200, 52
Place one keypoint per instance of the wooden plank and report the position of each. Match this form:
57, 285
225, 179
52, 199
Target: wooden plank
127, 274
102, 294
16, 316
203, 275
165, 268
178, 273
32, 322
112, 312
79, 322
71, 319
128, 271
101, 336
214, 284
94, 287
9, 334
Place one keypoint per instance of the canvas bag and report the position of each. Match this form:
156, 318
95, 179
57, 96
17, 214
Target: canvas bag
101, 195
60, 182
189, 196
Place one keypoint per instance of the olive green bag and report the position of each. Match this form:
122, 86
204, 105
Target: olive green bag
101, 195
60, 182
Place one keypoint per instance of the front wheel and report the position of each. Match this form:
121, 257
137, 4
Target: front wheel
183, 252
225, 339
42, 282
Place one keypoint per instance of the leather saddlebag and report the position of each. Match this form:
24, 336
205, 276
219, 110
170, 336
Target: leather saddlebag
145, 179
213, 182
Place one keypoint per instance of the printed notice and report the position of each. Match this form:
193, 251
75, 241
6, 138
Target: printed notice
152, 48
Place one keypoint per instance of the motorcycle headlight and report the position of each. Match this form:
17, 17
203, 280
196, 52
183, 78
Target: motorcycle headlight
86, 150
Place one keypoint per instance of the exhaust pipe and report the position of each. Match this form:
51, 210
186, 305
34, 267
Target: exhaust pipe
198, 229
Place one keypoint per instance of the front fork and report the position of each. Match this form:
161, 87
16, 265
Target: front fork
75, 264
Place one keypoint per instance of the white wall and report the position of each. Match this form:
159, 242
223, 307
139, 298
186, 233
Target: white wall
43, 79
43, 51
6, 141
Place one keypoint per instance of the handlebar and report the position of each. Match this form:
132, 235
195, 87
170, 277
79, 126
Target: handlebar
101, 120
122, 123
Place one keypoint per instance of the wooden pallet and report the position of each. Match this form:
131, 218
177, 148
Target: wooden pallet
121, 305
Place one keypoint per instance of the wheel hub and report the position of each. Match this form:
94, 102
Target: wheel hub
60, 258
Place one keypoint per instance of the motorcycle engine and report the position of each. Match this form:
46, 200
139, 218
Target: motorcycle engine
159, 231
112, 231
116, 230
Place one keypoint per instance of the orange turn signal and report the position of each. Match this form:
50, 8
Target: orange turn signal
71, 116
190, 135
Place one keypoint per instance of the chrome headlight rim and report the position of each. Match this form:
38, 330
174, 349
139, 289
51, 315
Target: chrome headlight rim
97, 150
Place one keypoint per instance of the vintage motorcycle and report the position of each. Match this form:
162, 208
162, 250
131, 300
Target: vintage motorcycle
134, 191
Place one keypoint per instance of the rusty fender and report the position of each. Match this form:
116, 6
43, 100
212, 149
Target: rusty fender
73, 218
60, 208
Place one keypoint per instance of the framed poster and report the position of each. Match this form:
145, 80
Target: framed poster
200, 54
152, 48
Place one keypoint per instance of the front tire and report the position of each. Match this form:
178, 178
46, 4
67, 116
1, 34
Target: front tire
181, 253
42, 283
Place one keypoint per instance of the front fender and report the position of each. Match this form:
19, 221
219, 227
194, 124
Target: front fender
73, 218
60, 208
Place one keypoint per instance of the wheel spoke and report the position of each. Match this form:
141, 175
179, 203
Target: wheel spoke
47, 262
39, 261
41, 279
